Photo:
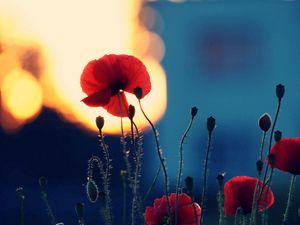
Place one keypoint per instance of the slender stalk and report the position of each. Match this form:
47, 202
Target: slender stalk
203, 202
20, 192
152, 184
271, 139
262, 145
265, 213
136, 204
123, 142
180, 167
105, 179
123, 176
160, 156
289, 201
220, 199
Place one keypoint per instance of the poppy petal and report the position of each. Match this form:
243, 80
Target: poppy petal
113, 107
239, 191
136, 74
100, 98
287, 155
91, 80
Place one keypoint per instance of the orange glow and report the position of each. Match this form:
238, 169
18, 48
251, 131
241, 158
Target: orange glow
22, 95
78, 33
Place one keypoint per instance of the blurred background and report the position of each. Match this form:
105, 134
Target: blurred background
225, 57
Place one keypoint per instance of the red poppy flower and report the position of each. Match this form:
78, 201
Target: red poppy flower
287, 155
105, 78
238, 192
156, 214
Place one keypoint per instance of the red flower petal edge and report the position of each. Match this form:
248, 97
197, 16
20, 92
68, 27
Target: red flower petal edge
103, 79
287, 155
154, 215
239, 191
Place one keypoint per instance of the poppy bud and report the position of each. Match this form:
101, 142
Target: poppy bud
211, 123
100, 122
189, 183
259, 166
123, 173
131, 112
271, 158
280, 91
43, 182
79, 210
277, 135
265, 122
138, 92
92, 190
220, 179
194, 111
20, 192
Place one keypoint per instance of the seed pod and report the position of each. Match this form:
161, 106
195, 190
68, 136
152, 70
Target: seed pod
131, 112
259, 165
194, 111
92, 191
100, 122
265, 122
277, 135
138, 92
280, 91
211, 123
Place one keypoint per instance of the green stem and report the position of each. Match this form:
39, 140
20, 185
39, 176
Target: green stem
160, 156
220, 199
152, 184
267, 185
289, 201
124, 200
136, 204
262, 145
180, 168
203, 202
123, 142
271, 137
22, 220
105, 179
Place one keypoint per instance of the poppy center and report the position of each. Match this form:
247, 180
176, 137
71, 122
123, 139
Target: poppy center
117, 87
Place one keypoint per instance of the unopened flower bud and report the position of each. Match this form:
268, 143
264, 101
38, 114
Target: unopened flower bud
92, 190
211, 123
271, 159
20, 192
220, 179
138, 92
259, 166
189, 183
79, 207
123, 173
194, 111
131, 112
100, 122
277, 135
265, 122
280, 91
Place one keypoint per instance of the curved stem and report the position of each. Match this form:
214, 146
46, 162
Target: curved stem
289, 201
160, 155
180, 167
203, 202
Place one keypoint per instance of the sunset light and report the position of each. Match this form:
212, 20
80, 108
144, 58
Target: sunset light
68, 38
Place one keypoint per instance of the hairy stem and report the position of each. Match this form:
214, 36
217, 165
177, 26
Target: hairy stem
289, 201
161, 159
180, 168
